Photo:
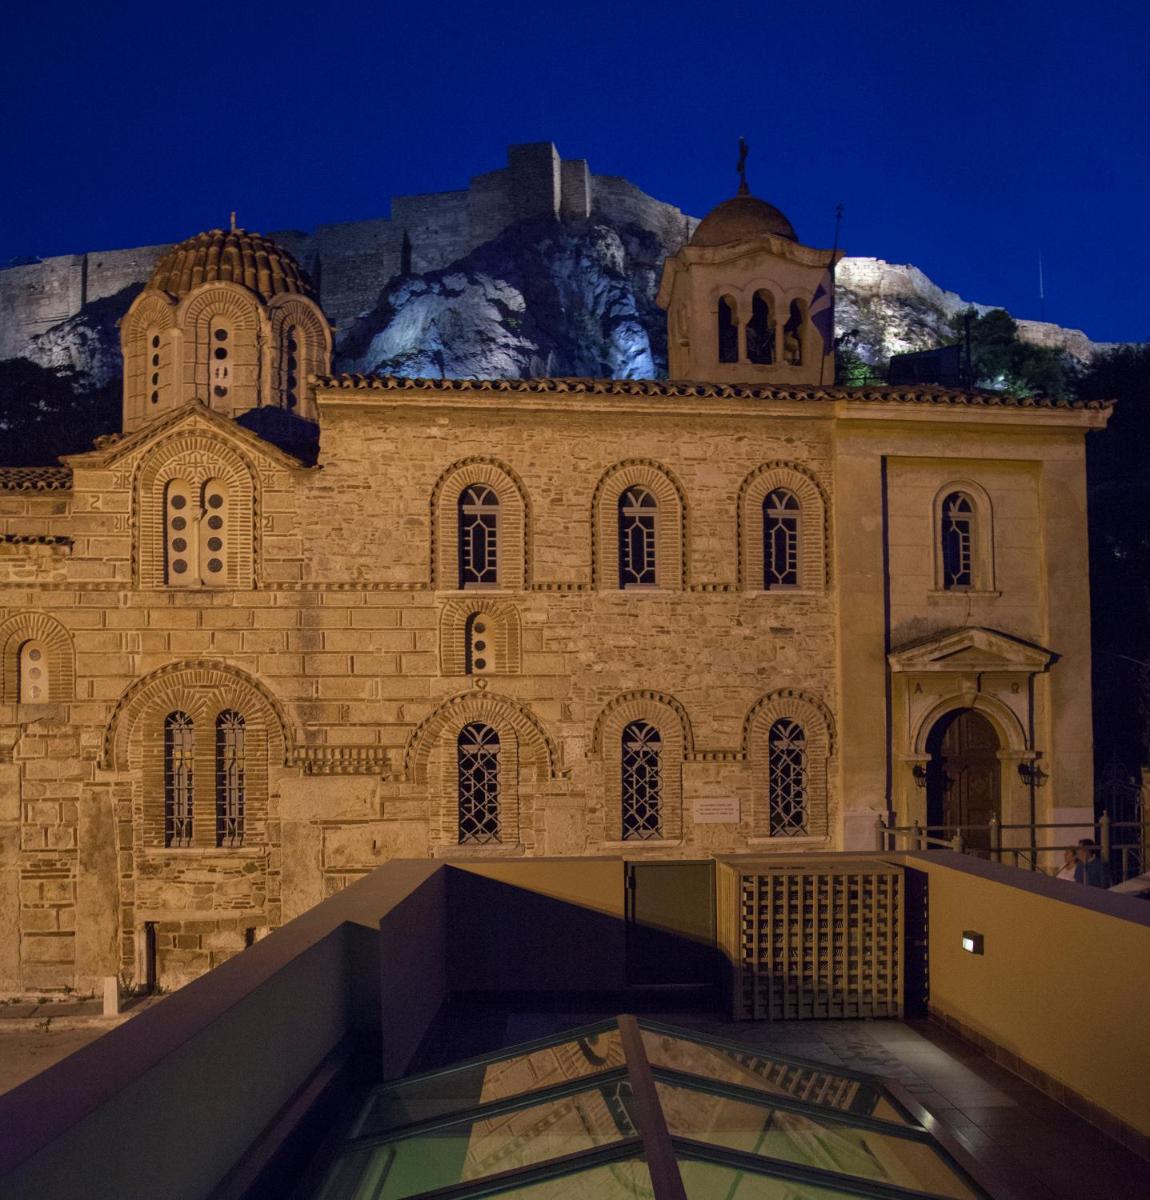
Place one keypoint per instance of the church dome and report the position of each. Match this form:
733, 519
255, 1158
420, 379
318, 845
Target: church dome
740, 219
230, 256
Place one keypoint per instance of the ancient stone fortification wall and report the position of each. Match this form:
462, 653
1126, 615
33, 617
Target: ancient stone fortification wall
352, 261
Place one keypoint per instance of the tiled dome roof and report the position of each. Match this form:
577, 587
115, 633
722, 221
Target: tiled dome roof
233, 256
740, 219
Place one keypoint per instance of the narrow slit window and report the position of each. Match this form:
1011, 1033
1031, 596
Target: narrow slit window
781, 516
958, 533
637, 525
478, 536
179, 751
787, 776
214, 534
219, 362
293, 366
761, 330
642, 782
181, 517
728, 330
478, 759
480, 646
230, 779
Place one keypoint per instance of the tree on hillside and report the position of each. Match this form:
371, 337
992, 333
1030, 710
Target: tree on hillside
1000, 359
44, 414
1118, 485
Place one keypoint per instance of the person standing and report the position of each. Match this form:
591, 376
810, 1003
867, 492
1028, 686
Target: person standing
1091, 870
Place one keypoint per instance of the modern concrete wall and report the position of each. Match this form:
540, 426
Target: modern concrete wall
1062, 983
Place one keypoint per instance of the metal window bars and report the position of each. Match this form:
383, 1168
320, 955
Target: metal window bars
230, 779
642, 782
787, 778
478, 759
478, 536
781, 514
637, 516
179, 749
957, 541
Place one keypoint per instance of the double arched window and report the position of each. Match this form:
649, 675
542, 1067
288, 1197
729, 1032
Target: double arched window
197, 531
477, 754
787, 778
180, 753
642, 782
478, 536
638, 520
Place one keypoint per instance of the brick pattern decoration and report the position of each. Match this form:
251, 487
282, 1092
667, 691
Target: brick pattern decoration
505, 636
514, 554
669, 717
814, 565
36, 626
195, 457
818, 726
670, 523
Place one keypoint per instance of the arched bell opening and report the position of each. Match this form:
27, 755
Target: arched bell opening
963, 777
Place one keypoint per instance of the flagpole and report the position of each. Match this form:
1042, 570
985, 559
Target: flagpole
831, 290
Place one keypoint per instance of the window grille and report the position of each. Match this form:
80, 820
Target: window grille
478, 536
32, 673
230, 779
179, 748
478, 785
642, 781
637, 514
780, 540
787, 775
957, 541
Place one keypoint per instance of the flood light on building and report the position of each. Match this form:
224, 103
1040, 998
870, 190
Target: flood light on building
971, 941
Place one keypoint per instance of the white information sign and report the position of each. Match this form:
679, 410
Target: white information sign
717, 811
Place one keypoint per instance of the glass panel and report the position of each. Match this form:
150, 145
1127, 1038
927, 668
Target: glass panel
477, 1147
808, 1082
793, 1137
469, 1086
709, 1181
627, 1179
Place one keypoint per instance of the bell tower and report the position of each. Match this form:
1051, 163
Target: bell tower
746, 302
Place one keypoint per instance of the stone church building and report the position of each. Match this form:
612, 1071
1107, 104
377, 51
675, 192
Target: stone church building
287, 626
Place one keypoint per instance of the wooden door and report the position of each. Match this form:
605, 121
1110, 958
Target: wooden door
966, 779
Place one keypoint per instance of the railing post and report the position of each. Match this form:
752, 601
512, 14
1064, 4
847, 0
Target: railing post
995, 837
919, 837
956, 843
1104, 836
880, 833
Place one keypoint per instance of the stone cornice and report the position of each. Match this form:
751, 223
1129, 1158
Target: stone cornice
876, 402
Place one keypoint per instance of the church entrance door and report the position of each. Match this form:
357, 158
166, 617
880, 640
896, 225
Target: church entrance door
963, 782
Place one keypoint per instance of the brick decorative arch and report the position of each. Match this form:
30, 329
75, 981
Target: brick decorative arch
37, 627
194, 683
196, 455
818, 726
814, 539
505, 636
670, 718
514, 522
538, 750
670, 528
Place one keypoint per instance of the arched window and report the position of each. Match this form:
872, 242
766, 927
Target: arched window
179, 748
214, 533
642, 781
781, 514
219, 360
728, 330
957, 536
479, 641
793, 335
761, 330
478, 756
182, 546
637, 515
478, 536
787, 778
32, 673
230, 779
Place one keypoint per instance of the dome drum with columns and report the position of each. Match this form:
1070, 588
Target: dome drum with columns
230, 319
746, 302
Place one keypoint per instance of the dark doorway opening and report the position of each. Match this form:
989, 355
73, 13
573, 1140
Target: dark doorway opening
964, 777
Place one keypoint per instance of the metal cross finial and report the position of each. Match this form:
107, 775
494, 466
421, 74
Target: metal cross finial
742, 168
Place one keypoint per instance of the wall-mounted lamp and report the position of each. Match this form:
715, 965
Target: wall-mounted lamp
919, 773
971, 941
1031, 773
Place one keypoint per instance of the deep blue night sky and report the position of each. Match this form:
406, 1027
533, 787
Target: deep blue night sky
960, 138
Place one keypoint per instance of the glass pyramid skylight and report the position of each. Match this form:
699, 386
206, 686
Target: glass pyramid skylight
636, 1110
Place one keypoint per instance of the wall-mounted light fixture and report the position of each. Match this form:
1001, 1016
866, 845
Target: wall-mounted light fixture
919, 773
971, 941
1032, 773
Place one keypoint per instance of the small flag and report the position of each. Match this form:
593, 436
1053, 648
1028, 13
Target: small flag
822, 311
